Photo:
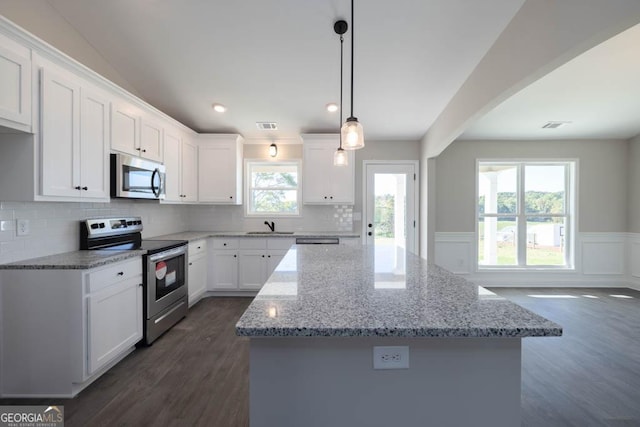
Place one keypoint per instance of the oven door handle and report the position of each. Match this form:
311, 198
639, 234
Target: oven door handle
168, 254
153, 187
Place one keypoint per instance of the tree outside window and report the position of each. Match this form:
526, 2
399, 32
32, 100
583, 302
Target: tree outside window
273, 188
524, 214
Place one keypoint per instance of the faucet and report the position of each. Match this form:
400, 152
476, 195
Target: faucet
271, 225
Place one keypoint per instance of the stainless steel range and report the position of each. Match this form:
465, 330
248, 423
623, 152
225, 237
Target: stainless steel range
164, 265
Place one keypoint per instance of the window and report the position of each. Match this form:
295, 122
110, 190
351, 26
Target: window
273, 188
525, 214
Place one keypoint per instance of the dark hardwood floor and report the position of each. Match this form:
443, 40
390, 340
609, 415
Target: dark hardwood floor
198, 373
591, 375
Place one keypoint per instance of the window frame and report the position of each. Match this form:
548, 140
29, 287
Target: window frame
247, 188
570, 213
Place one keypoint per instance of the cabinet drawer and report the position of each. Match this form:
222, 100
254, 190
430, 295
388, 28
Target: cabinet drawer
198, 247
99, 279
225, 243
253, 243
280, 243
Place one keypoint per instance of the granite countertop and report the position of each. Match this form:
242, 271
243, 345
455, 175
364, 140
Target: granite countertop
360, 291
78, 260
197, 235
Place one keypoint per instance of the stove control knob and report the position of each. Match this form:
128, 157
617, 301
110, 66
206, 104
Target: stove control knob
102, 225
94, 226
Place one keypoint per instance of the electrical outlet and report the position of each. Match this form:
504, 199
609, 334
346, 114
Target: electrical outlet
23, 228
391, 357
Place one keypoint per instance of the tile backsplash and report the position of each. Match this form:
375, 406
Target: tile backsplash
54, 226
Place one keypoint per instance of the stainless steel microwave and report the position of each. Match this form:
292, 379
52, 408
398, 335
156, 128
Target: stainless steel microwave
135, 178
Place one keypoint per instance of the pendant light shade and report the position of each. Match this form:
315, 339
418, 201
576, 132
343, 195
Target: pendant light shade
352, 134
340, 157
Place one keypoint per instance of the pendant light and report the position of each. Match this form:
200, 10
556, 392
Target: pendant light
340, 157
352, 132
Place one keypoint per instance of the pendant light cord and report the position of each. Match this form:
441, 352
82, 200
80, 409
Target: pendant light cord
341, 60
353, 33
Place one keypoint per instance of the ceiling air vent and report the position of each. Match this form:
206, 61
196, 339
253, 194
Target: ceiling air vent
267, 125
554, 125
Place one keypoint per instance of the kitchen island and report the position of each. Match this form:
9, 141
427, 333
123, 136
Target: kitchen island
314, 325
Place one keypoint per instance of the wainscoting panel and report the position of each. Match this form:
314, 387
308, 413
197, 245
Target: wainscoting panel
603, 253
454, 251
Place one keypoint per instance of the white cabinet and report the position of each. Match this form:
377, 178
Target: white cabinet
181, 162
197, 272
15, 89
80, 322
134, 134
223, 265
74, 138
245, 264
324, 183
220, 169
114, 321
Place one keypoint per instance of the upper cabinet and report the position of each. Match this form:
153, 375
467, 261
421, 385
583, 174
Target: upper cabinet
324, 183
181, 162
135, 134
15, 87
220, 169
74, 138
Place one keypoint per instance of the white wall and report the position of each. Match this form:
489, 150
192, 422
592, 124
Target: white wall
602, 179
55, 226
601, 240
41, 19
633, 213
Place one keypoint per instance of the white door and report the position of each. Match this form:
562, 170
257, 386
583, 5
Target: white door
391, 201
189, 167
225, 271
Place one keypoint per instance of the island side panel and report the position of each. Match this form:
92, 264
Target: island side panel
319, 382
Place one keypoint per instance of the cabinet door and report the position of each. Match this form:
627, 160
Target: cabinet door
273, 259
151, 141
217, 180
253, 269
94, 145
316, 166
172, 163
60, 136
325, 183
15, 88
225, 270
197, 278
114, 322
125, 128
189, 171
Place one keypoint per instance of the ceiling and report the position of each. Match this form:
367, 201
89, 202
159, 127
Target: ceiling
598, 92
278, 60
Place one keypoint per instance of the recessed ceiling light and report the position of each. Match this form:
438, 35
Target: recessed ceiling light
219, 108
332, 108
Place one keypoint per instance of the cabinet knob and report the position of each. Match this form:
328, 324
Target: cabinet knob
262, 256
268, 256
138, 149
370, 233
331, 197
190, 263
140, 285
85, 188
235, 256
199, 247
325, 197
224, 244
369, 225
231, 197
121, 273
144, 151
77, 187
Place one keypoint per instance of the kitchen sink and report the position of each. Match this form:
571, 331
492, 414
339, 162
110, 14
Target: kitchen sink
269, 232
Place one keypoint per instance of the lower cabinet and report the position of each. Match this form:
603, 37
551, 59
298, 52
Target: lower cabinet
64, 328
197, 272
245, 264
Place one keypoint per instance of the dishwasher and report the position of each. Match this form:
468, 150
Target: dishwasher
317, 240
